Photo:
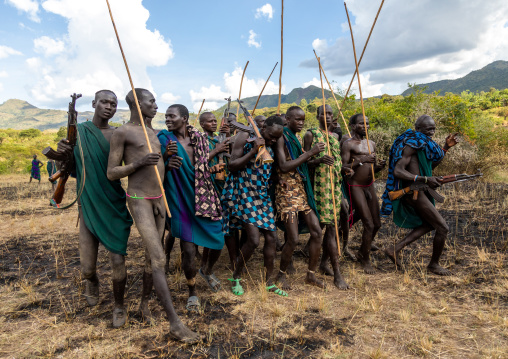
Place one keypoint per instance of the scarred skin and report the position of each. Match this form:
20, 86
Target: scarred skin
296, 120
105, 104
406, 169
238, 161
355, 155
330, 249
128, 145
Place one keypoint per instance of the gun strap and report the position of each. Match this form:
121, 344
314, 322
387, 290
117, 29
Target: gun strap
83, 176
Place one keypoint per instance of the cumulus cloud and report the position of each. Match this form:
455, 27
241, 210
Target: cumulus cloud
252, 40
48, 46
31, 7
264, 11
315, 81
6, 51
2, 74
214, 94
93, 60
168, 98
418, 41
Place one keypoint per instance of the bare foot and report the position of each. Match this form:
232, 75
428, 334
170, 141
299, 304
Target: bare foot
183, 334
282, 280
291, 268
349, 254
145, 312
390, 253
119, 317
324, 269
313, 280
437, 269
366, 265
91, 292
340, 283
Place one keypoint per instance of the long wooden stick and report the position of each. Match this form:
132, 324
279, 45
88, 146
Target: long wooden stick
139, 110
197, 117
241, 83
336, 102
363, 51
268, 79
281, 53
360, 90
329, 154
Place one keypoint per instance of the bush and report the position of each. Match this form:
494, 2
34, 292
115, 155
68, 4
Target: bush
30, 133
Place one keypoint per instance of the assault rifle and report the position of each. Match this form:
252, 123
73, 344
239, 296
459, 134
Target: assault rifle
67, 163
221, 138
414, 188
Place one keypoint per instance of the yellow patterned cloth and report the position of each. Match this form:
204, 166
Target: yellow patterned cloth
322, 185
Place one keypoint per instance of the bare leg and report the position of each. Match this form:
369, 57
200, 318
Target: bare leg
344, 229
269, 250
149, 218
88, 249
362, 208
314, 249
251, 234
119, 280
331, 244
393, 251
168, 247
291, 236
323, 266
189, 269
230, 241
147, 289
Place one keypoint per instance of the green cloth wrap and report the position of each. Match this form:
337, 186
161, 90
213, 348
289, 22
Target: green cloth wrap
405, 215
103, 202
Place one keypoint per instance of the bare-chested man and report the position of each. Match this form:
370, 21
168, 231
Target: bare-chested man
322, 188
294, 196
103, 214
128, 145
413, 155
193, 201
360, 190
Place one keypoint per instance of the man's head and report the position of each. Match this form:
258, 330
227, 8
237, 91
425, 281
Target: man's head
272, 130
146, 102
357, 125
284, 120
208, 122
426, 125
105, 104
321, 117
35, 157
295, 117
177, 116
260, 120
231, 117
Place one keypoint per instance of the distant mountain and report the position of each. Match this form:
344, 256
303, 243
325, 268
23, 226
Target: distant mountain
493, 75
295, 96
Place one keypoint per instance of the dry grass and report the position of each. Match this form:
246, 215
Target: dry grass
387, 315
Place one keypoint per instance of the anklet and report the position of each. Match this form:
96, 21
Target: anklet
311, 271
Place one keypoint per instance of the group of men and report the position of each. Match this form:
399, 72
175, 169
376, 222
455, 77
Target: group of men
217, 187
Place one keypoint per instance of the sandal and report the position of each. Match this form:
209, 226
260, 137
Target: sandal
237, 289
277, 290
211, 280
193, 304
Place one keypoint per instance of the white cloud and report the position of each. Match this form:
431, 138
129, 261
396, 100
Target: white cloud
419, 41
314, 81
29, 6
48, 46
168, 98
252, 40
264, 11
6, 51
214, 94
94, 61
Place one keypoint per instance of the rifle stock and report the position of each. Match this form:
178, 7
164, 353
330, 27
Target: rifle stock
394, 195
60, 190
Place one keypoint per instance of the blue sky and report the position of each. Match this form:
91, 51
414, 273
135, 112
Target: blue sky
185, 51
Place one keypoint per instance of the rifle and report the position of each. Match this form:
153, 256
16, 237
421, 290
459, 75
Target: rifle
67, 163
263, 155
221, 176
419, 186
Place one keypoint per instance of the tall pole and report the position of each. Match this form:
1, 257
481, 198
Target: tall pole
197, 117
268, 79
281, 53
329, 154
360, 90
241, 83
139, 110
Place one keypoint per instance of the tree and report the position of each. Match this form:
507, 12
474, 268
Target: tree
303, 103
30, 133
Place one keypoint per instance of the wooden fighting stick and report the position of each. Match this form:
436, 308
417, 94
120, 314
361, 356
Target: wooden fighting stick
281, 53
360, 90
329, 154
139, 110
197, 117
361, 56
241, 83
336, 102
268, 79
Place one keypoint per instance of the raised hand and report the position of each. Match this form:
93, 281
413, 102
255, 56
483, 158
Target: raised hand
64, 147
258, 142
225, 128
222, 147
451, 140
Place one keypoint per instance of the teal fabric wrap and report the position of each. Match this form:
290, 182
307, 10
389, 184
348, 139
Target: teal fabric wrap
103, 202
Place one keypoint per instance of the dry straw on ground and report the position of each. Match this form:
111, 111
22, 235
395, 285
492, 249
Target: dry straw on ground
391, 314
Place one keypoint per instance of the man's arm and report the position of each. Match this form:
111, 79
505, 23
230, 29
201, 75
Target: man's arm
220, 147
238, 159
307, 142
450, 141
115, 168
288, 166
402, 173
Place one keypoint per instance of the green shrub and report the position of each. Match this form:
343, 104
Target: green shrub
30, 133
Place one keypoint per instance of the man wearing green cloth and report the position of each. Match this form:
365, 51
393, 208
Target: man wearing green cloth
103, 214
294, 195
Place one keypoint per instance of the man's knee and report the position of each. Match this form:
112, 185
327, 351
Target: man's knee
88, 271
442, 228
117, 260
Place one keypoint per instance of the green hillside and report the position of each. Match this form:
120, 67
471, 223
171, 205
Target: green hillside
493, 75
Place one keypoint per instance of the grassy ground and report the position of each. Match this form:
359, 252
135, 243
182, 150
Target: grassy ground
391, 314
